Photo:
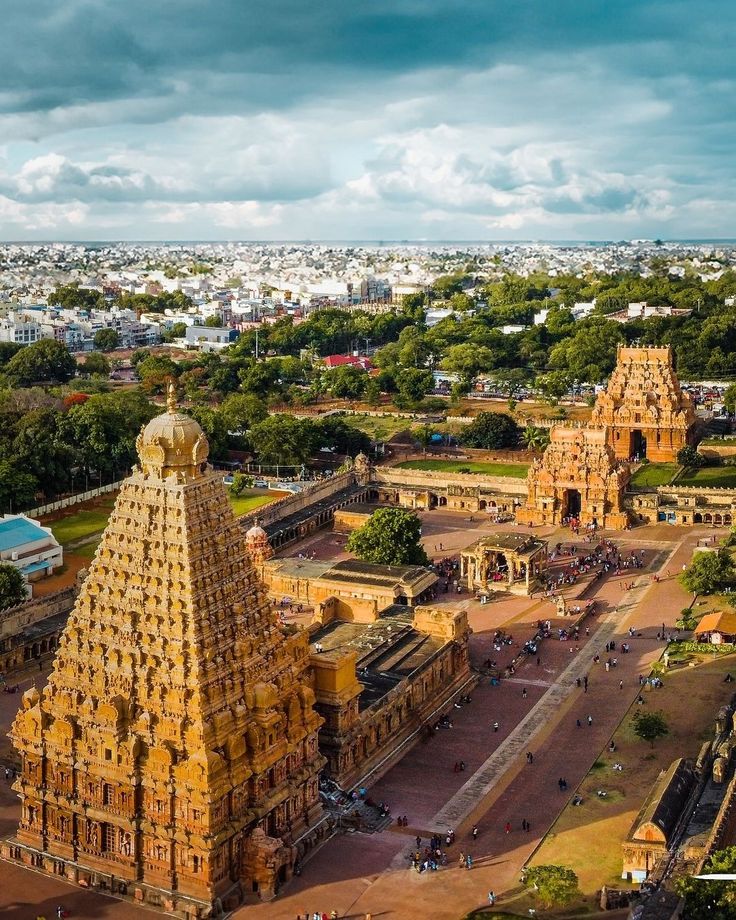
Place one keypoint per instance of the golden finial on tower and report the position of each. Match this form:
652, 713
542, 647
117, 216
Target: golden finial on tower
171, 397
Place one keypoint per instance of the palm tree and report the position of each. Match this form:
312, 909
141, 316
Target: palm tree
535, 438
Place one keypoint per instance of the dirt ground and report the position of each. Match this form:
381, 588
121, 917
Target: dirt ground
588, 837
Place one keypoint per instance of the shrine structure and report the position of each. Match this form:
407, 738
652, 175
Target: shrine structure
172, 757
504, 562
577, 478
643, 409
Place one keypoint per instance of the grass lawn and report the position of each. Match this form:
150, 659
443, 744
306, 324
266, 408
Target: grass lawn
515, 470
588, 837
723, 476
654, 474
379, 428
252, 499
82, 524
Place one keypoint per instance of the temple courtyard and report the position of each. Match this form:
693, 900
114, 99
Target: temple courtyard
536, 710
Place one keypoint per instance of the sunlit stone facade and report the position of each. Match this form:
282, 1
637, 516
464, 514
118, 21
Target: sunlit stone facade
643, 409
172, 756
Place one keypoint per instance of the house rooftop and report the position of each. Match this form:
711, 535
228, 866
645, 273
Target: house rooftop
16, 531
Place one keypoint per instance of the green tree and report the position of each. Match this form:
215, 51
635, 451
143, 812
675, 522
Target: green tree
534, 438
40, 448
106, 339
73, 297
413, 385
240, 484
688, 456
339, 435
213, 322
103, 431
590, 353
373, 392
177, 331
347, 382
96, 363
241, 411
649, 726
47, 361
17, 488
468, 361
708, 573
729, 398
12, 586
706, 899
282, 440
554, 886
391, 536
155, 372
491, 431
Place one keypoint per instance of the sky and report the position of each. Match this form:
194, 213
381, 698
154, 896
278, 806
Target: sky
370, 119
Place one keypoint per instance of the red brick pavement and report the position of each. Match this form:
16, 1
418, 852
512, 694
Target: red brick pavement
351, 874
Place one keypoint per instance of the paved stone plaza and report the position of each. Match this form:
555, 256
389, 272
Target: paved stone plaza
356, 874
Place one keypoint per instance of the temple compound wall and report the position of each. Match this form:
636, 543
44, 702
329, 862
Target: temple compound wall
30, 632
578, 478
422, 490
173, 755
643, 409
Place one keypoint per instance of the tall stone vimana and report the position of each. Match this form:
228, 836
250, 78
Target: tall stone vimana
172, 757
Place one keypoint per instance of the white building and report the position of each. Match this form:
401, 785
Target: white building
30, 547
20, 329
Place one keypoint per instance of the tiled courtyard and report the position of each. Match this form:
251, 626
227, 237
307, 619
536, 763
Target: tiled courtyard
356, 874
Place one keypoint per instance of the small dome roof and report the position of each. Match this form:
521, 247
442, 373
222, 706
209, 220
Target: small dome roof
172, 441
256, 532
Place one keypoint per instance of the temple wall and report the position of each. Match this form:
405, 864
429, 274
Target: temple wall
434, 481
291, 504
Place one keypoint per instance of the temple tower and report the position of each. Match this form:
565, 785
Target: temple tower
577, 478
643, 409
173, 754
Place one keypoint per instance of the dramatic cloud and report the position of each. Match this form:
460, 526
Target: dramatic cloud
388, 118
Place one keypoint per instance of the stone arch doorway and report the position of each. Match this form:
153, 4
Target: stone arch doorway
638, 444
573, 503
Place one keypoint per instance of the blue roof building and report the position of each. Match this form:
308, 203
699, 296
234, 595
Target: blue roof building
29, 546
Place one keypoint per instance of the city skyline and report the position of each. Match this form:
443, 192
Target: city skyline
403, 121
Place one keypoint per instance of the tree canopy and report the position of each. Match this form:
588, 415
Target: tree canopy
12, 586
47, 361
491, 431
649, 726
391, 536
106, 339
554, 886
710, 900
708, 573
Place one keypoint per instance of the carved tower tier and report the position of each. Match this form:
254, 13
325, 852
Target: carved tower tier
578, 478
643, 409
173, 753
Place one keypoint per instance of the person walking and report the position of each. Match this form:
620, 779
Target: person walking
508, 827
620, 685
475, 832
523, 693
590, 721
495, 726
491, 898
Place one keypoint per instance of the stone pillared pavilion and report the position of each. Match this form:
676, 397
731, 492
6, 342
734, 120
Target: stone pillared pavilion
172, 757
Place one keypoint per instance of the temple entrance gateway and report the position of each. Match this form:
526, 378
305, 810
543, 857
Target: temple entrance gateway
573, 503
638, 449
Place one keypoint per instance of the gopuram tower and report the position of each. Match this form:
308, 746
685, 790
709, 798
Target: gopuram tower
643, 409
172, 757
